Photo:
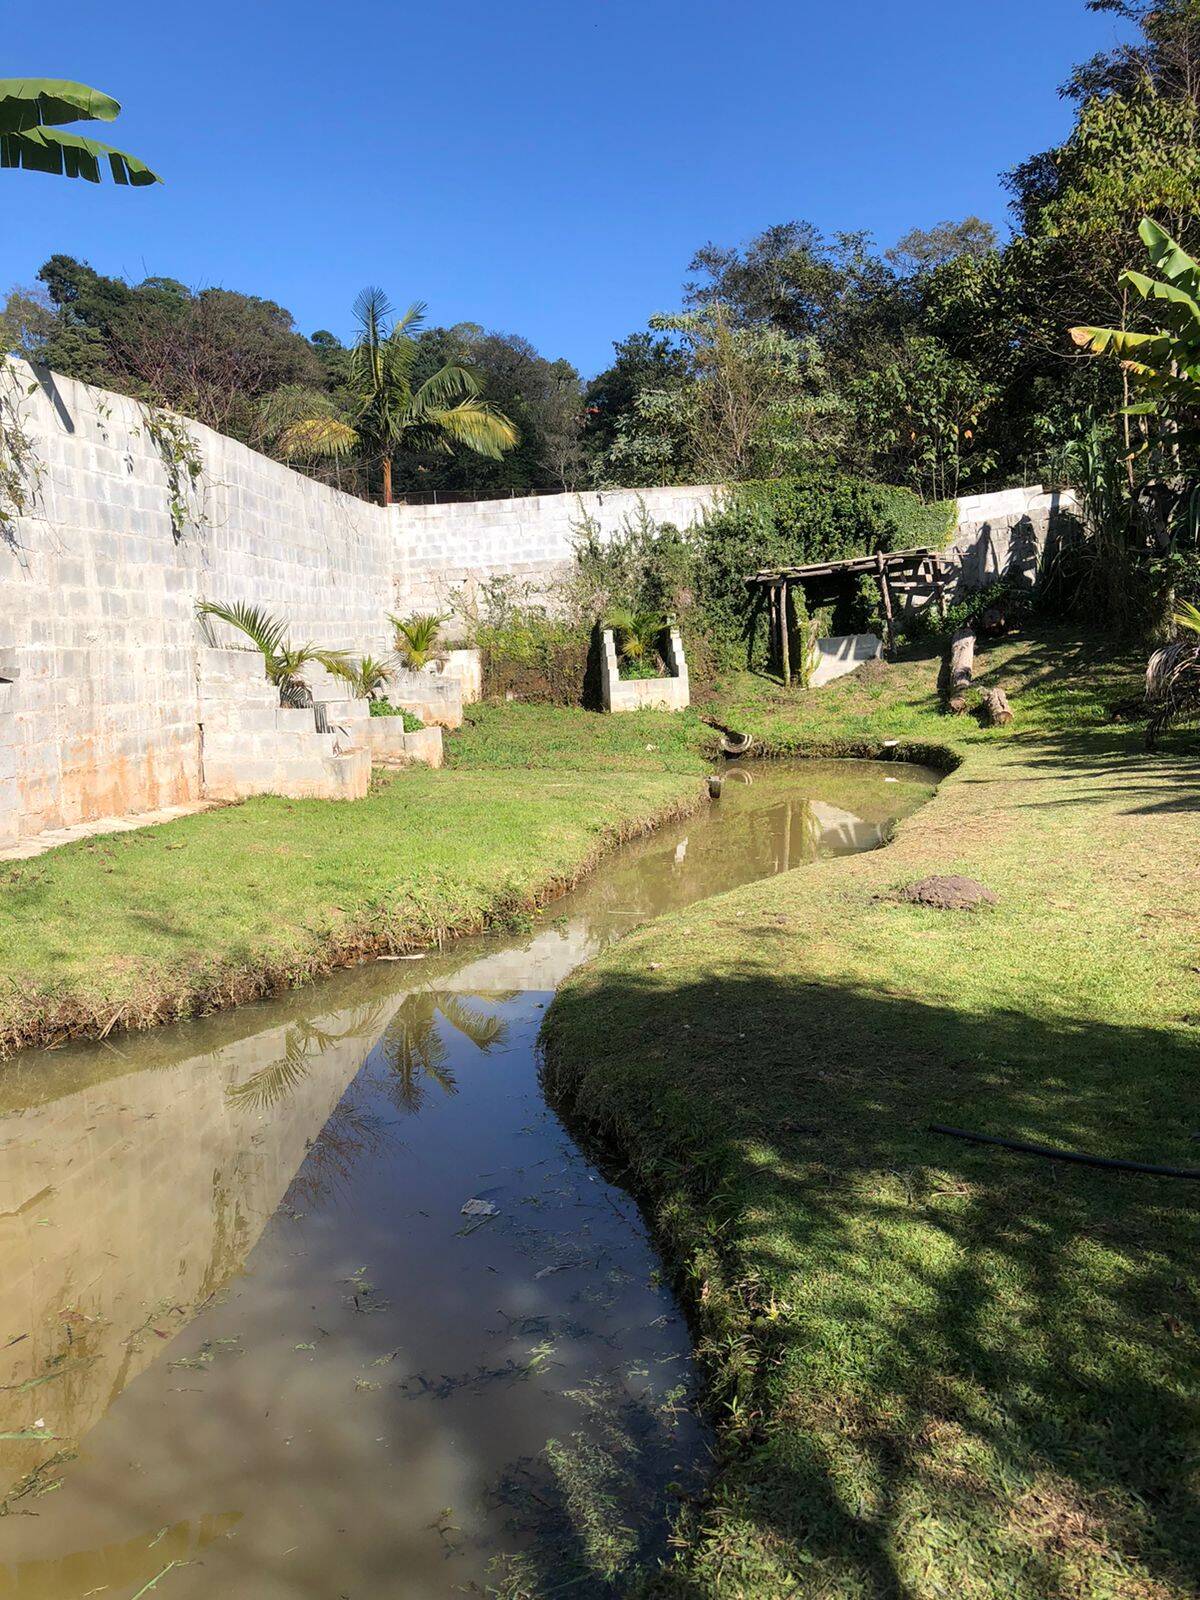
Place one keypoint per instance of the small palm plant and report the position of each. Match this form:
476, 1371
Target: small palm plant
284, 662
1173, 676
417, 638
369, 678
637, 635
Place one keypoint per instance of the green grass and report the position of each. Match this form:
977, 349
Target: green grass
551, 737
143, 927
936, 1368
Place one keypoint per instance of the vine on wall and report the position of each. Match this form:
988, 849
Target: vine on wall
179, 451
20, 468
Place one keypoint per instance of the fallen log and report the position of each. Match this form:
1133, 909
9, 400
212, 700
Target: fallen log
994, 709
960, 669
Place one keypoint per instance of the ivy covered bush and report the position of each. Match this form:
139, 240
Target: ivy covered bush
792, 522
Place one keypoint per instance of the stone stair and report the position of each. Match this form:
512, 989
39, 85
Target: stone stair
250, 744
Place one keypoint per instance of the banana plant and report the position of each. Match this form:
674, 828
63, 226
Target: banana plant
284, 662
32, 111
1165, 364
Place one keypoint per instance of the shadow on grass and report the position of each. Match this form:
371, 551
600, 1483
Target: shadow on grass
978, 1372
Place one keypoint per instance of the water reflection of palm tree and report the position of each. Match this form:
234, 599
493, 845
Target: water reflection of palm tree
303, 1043
413, 1047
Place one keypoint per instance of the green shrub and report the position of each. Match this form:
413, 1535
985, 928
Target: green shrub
384, 708
529, 652
1015, 600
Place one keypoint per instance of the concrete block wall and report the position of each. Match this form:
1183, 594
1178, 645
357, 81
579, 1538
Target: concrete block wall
438, 701
840, 654
250, 744
391, 746
98, 590
445, 551
1005, 535
99, 698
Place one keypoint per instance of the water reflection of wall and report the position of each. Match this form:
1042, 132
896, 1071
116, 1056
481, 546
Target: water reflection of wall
126, 1204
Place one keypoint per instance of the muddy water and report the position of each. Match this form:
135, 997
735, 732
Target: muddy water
250, 1343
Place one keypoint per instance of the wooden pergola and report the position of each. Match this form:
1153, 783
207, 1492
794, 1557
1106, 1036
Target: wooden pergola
896, 571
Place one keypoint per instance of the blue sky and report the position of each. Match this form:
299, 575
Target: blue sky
546, 169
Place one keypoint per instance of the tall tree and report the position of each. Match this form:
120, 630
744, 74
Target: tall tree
386, 409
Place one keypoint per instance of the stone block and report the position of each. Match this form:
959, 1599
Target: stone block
390, 745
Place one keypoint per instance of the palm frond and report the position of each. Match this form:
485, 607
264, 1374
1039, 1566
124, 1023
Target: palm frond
475, 424
45, 102
68, 155
263, 630
447, 385
412, 321
316, 436
370, 677
373, 312
417, 637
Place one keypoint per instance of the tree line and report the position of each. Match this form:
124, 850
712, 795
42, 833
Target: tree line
942, 363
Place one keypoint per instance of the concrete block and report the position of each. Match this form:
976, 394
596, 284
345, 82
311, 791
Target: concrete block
640, 694
389, 744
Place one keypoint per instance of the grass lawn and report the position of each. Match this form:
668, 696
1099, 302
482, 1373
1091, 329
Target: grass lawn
144, 927
937, 1368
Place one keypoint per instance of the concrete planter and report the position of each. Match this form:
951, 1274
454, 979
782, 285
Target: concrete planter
644, 694
391, 746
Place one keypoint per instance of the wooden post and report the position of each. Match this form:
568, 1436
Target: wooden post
885, 591
784, 641
939, 590
772, 627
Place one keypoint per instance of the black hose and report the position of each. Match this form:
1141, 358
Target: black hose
1066, 1155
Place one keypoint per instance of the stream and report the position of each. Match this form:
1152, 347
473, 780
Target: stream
251, 1345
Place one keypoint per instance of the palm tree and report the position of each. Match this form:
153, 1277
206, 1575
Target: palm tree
31, 113
444, 411
414, 1051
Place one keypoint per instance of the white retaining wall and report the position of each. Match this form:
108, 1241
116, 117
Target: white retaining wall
99, 702
444, 550
1004, 535
98, 592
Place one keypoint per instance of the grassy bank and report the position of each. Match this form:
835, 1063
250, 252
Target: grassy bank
936, 1368
132, 929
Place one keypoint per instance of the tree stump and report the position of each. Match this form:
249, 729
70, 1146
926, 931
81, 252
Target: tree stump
960, 668
994, 709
